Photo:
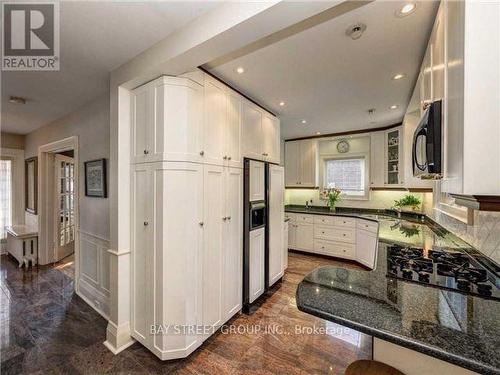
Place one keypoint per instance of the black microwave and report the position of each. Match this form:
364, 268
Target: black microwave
427, 149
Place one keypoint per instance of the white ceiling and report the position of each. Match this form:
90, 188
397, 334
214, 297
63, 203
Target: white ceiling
96, 37
331, 80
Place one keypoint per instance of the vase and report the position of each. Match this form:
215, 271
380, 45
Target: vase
332, 208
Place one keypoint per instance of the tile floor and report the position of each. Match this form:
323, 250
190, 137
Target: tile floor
47, 329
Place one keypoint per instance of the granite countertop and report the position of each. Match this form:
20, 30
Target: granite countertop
454, 327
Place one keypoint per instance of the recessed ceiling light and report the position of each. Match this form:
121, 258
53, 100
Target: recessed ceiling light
355, 31
17, 100
399, 76
240, 70
304, 121
282, 104
393, 106
406, 10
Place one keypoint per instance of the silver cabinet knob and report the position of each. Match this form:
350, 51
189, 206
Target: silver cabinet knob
146, 223
229, 158
201, 223
229, 217
343, 234
146, 152
202, 153
225, 157
224, 218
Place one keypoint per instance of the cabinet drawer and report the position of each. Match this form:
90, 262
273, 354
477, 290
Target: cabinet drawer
335, 233
299, 218
337, 249
324, 220
347, 222
367, 225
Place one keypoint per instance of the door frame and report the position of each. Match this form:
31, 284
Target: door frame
45, 235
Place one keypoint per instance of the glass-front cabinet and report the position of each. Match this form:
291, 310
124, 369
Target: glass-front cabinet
393, 157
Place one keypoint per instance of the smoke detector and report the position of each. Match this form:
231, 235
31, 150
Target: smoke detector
355, 31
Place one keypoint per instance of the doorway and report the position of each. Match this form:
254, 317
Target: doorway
58, 197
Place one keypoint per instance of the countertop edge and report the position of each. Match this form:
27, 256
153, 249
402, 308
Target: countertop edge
398, 340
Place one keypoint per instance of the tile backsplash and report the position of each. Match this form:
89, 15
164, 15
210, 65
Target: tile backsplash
484, 235
378, 199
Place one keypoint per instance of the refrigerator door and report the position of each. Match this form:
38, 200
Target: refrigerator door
257, 183
276, 222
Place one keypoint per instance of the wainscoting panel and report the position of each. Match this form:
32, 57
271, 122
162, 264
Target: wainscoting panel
93, 277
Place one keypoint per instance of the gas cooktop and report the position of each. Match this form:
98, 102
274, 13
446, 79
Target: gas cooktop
455, 271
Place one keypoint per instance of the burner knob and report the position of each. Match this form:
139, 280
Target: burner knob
407, 273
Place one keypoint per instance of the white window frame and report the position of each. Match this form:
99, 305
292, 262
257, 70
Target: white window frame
365, 156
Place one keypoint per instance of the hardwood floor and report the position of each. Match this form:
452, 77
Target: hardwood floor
47, 329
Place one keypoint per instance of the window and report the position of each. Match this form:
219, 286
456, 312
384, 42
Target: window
5, 196
348, 175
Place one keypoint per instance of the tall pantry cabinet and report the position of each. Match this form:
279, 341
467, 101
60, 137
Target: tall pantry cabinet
186, 212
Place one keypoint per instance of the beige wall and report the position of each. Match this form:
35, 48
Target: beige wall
10, 140
91, 124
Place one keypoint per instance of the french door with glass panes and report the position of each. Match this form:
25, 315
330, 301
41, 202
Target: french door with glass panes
65, 201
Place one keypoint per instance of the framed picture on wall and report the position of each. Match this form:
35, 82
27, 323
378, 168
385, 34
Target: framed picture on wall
95, 178
30, 180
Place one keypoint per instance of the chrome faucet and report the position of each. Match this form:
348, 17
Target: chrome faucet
307, 204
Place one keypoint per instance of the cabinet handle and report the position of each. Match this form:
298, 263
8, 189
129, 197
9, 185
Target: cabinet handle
343, 251
146, 152
201, 223
322, 247
229, 158
225, 157
322, 232
229, 217
224, 218
202, 153
343, 234
146, 223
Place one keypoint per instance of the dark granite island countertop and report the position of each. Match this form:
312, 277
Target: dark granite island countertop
454, 327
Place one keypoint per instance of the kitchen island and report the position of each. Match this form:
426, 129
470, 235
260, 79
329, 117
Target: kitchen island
407, 319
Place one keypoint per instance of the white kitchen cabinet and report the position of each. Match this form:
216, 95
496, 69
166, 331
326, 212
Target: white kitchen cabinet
214, 127
166, 121
366, 245
232, 260
301, 163
438, 54
270, 138
251, 119
233, 153
292, 231
304, 236
394, 174
257, 181
426, 71
285, 244
292, 158
257, 240
275, 222
377, 159
214, 212
166, 254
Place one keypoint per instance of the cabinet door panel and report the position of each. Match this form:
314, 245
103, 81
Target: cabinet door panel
257, 181
256, 253
366, 247
292, 157
177, 268
141, 252
213, 211
214, 126
233, 247
377, 162
271, 138
233, 130
142, 108
307, 175
276, 222
438, 61
285, 245
252, 130
292, 235
305, 237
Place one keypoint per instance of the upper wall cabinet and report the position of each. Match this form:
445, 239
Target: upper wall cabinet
232, 140
215, 122
167, 121
261, 133
301, 163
